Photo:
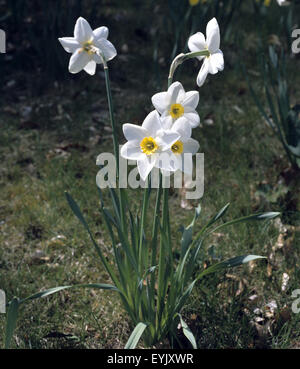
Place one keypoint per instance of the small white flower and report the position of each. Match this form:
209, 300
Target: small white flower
181, 152
215, 61
146, 143
177, 104
283, 2
85, 46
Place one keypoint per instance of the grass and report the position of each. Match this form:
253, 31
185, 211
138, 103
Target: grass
55, 150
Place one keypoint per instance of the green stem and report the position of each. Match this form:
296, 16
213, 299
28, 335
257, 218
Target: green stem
180, 58
116, 145
111, 115
142, 231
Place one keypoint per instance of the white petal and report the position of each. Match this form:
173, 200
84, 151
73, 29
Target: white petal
97, 59
217, 60
131, 151
183, 128
202, 73
101, 32
161, 101
82, 30
166, 120
90, 68
191, 146
213, 35
78, 61
145, 165
197, 43
191, 99
176, 92
167, 139
107, 48
70, 44
133, 132
192, 117
152, 123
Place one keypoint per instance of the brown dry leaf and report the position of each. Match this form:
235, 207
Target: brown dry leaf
251, 265
279, 243
274, 40
57, 153
240, 285
62, 150
269, 270
38, 256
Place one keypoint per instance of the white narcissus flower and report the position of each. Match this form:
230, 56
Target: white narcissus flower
215, 61
177, 104
85, 46
283, 2
181, 152
146, 143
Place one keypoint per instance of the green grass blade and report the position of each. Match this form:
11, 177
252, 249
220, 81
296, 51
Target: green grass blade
135, 335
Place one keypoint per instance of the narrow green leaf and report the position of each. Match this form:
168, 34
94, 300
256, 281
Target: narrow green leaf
50, 291
185, 296
149, 271
13, 307
218, 215
77, 212
187, 332
186, 239
11, 319
45, 293
229, 263
188, 232
135, 335
260, 216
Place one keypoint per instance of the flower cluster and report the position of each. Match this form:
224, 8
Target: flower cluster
164, 139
